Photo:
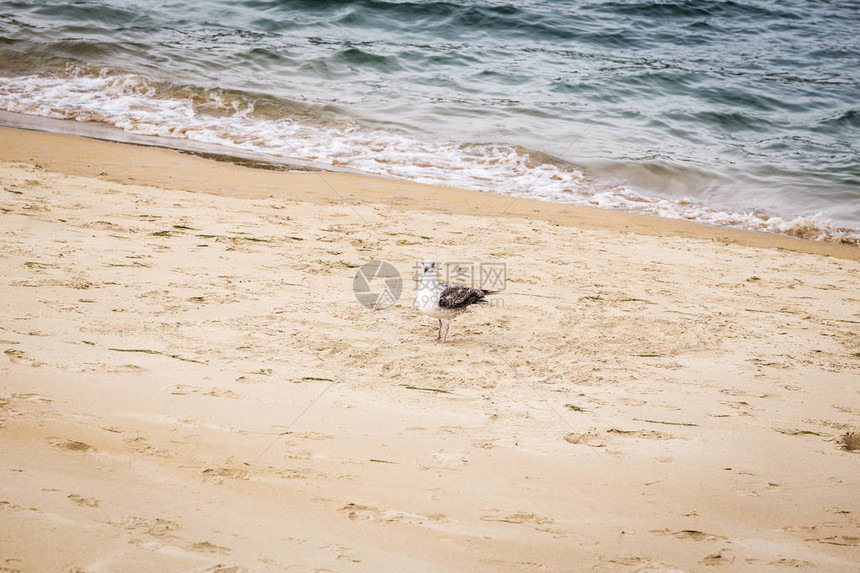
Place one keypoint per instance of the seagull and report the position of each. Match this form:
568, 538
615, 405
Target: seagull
445, 301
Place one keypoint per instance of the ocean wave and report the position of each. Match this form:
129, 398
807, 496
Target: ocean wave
697, 9
259, 123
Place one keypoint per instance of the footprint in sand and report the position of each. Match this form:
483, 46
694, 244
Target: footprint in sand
220, 473
123, 369
142, 446
293, 473
843, 540
32, 398
689, 534
790, 563
642, 564
207, 547
590, 438
105, 226
341, 552
451, 460
724, 557
157, 527
184, 390
11, 566
83, 501
19, 357
70, 445
484, 444
598, 439
847, 409
358, 512
744, 408
642, 434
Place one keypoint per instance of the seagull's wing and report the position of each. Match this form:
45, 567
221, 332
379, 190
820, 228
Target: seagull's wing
457, 296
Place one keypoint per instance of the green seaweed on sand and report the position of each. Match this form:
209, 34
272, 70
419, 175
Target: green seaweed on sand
251, 239
666, 423
158, 352
134, 264
424, 389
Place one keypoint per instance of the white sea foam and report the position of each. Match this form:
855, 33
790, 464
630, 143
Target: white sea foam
134, 104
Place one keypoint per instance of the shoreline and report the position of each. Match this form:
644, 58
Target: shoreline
176, 331
73, 154
95, 131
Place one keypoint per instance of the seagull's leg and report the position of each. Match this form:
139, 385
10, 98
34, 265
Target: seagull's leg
440, 330
447, 326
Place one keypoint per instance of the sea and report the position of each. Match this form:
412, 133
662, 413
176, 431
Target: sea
742, 114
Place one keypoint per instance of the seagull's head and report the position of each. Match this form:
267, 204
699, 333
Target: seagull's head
429, 267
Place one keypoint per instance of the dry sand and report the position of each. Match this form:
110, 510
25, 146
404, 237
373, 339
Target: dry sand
188, 383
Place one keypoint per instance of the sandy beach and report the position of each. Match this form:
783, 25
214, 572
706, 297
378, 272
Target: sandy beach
189, 384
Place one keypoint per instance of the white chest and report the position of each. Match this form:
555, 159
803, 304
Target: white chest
427, 302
